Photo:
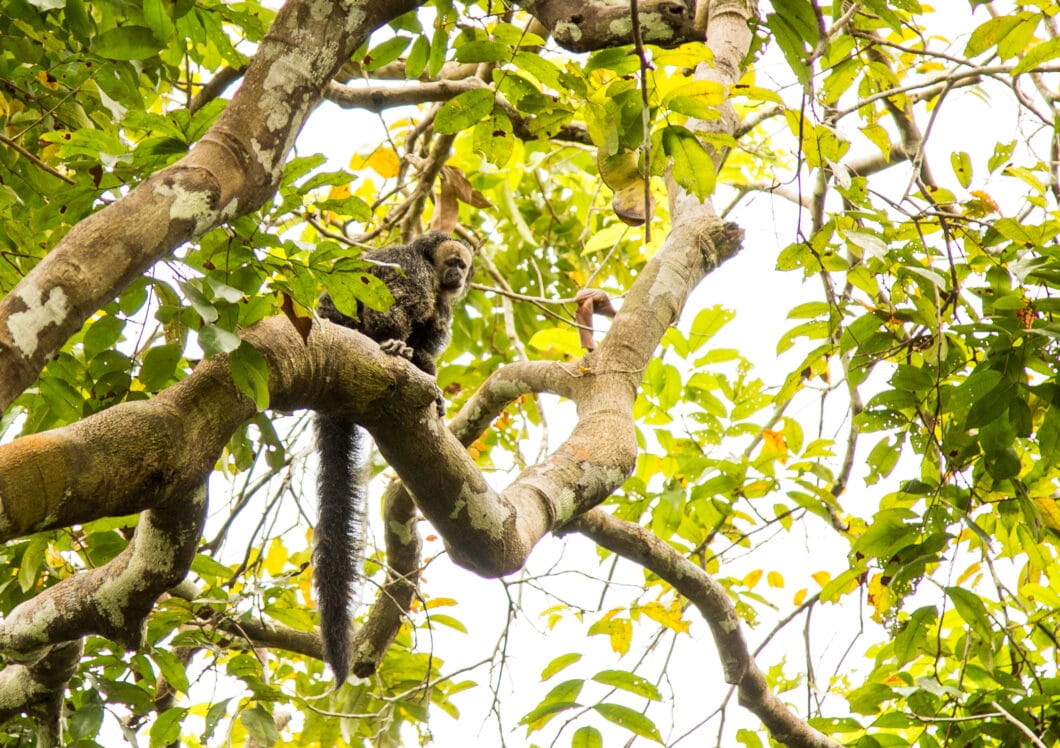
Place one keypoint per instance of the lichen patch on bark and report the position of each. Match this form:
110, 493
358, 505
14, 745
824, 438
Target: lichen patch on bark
41, 310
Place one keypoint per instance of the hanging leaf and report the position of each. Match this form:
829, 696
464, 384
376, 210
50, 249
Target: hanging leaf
463, 111
127, 43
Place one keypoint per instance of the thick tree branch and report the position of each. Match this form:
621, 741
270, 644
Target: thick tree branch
137, 455
584, 26
39, 688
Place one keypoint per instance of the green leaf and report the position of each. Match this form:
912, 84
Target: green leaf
84, 723
166, 728
493, 138
691, 164
171, 668
32, 562
561, 698
215, 340
221, 290
386, 52
541, 716
991, 405
482, 50
1002, 154
631, 682
962, 167
463, 111
439, 47
587, 737
972, 610
546, 72
250, 373
559, 663
417, 58
1037, 55
127, 43
158, 20
295, 618
217, 712
912, 639
707, 324
198, 300
206, 567
159, 366
102, 334
349, 288
260, 724
630, 719
1013, 31
791, 45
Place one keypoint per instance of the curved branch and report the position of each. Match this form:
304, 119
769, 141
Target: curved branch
641, 546
403, 549
114, 599
506, 385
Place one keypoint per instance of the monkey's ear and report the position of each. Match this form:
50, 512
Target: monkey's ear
428, 244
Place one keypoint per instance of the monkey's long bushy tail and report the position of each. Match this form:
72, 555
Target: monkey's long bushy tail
338, 534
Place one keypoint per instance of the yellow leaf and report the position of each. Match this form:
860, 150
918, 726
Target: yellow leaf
821, 577
553, 615
971, 570
775, 579
878, 136
619, 630
756, 489
276, 558
440, 602
383, 161
621, 635
339, 192
1050, 509
556, 342
752, 579
774, 446
800, 596
47, 80
880, 597
672, 617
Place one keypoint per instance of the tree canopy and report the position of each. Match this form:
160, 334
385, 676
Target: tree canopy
849, 541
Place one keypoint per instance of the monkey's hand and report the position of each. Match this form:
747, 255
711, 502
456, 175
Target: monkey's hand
397, 348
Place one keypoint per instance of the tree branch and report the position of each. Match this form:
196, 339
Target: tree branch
639, 545
582, 26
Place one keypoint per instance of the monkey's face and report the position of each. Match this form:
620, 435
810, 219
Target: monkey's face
452, 264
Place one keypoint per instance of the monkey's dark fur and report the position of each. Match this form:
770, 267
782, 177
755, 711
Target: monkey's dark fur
435, 270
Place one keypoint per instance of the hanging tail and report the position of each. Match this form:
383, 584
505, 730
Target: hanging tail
339, 535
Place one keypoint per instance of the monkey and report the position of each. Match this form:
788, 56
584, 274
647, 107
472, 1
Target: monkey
424, 278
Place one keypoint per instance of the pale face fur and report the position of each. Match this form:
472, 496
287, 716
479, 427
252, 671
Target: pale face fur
452, 267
